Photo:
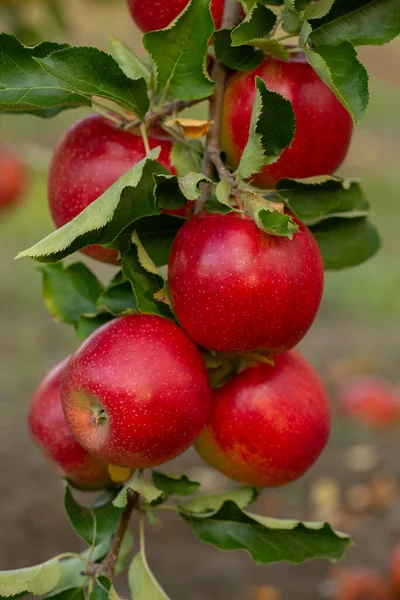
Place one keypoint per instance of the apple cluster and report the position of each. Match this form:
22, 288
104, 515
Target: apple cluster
137, 394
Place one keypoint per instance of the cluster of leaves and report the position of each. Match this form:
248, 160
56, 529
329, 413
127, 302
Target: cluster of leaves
221, 520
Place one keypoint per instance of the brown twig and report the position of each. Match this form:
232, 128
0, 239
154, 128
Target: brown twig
212, 154
112, 556
169, 109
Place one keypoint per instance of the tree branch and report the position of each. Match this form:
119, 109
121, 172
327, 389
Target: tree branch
112, 556
212, 154
169, 109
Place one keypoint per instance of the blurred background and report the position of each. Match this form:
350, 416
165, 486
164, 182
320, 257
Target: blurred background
356, 483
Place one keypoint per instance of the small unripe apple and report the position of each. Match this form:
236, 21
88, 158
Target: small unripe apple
49, 429
90, 157
13, 178
269, 423
369, 400
136, 394
150, 16
235, 288
323, 126
358, 583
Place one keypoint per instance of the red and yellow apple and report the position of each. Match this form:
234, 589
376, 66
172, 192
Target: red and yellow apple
136, 394
358, 583
90, 157
369, 400
49, 429
13, 178
269, 423
323, 126
235, 288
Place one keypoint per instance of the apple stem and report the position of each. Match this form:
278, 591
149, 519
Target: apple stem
111, 559
143, 133
212, 153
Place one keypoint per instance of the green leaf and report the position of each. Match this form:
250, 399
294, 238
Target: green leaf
171, 484
87, 325
173, 192
157, 235
212, 205
271, 130
223, 192
292, 20
339, 67
346, 243
91, 72
25, 87
127, 200
131, 65
75, 593
318, 9
146, 282
257, 25
101, 590
276, 223
187, 156
117, 298
142, 582
138, 483
179, 54
93, 525
203, 505
268, 540
70, 291
71, 569
239, 58
331, 198
38, 580
360, 22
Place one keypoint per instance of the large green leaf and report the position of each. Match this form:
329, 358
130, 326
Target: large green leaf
312, 203
206, 503
103, 221
142, 582
268, 540
38, 580
171, 484
346, 243
91, 72
360, 22
117, 298
70, 291
339, 67
71, 569
254, 29
93, 525
271, 130
157, 235
74, 593
26, 87
237, 58
179, 54
132, 65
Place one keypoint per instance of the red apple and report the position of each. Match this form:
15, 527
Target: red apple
150, 16
136, 394
323, 126
269, 423
394, 572
358, 583
369, 400
49, 429
13, 178
235, 288
90, 157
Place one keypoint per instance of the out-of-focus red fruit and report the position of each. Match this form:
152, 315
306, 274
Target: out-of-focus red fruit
235, 288
136, 394
323, 126
359, 584
13, 178
90, 157
394, 572
49, 429
158, 14
369, 400
269, 423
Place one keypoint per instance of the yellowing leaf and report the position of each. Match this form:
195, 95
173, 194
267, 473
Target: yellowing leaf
192, 128
38, 580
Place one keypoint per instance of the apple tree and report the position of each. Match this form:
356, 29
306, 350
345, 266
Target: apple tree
220, 230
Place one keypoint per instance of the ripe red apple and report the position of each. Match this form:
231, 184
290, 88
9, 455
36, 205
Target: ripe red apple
90, 157
394, 572
150, 16
269, 423
235, 288
369, 400
49, 429
13, 178
358, 583
136, 394
323, 126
